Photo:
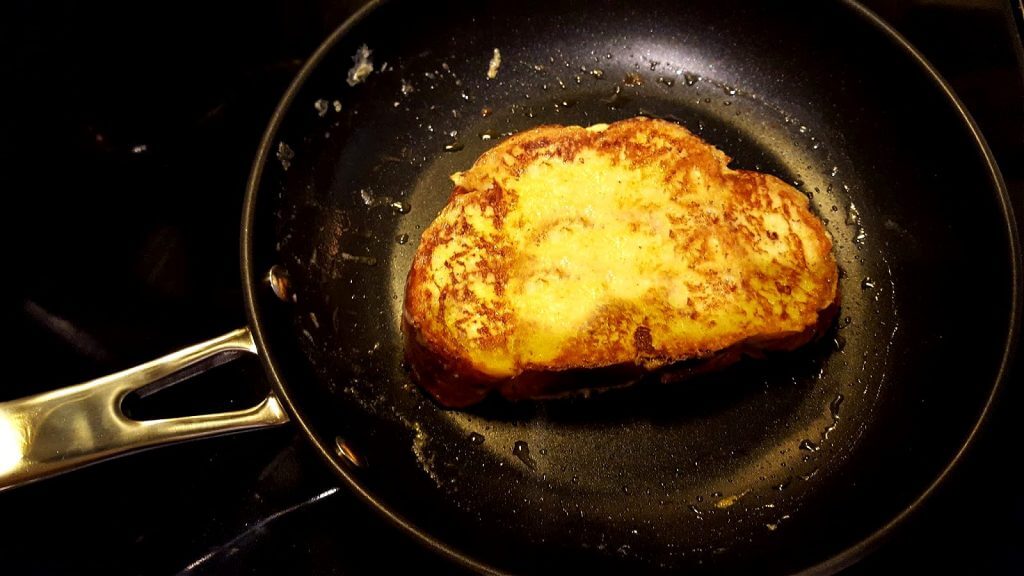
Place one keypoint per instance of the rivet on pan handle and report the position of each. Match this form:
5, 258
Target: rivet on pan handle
72, 427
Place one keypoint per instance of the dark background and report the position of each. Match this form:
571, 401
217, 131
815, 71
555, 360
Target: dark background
126, 144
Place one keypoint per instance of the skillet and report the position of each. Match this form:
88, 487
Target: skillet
795, 462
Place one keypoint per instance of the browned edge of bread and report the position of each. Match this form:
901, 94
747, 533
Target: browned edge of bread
456, 384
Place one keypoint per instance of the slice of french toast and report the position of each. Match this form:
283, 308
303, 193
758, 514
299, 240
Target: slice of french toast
571, 258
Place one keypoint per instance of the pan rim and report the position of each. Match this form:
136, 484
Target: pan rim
838, 561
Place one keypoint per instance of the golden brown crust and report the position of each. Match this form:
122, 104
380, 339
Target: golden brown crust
567, 257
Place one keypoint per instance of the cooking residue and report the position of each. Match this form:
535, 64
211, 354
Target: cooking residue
833, 408
773, 526
853, 219
285, 155
396, 206
454, 145
368, 260
852, 215
363, 66
321, 106
521, 450
419, 450
728, 501
495, 63
809, 446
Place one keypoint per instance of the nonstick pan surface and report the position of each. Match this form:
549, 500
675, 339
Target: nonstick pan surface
799, 461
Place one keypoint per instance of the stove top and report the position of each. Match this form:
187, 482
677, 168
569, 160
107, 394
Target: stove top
131, 135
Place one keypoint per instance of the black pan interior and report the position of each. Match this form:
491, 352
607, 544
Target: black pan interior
774, 465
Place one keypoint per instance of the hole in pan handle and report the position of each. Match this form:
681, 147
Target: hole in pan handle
65, 429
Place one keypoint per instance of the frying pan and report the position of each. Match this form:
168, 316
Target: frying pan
800, 461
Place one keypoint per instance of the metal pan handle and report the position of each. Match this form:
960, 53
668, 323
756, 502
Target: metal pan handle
57, 431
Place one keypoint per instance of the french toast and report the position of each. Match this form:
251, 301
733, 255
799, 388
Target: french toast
572, 258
